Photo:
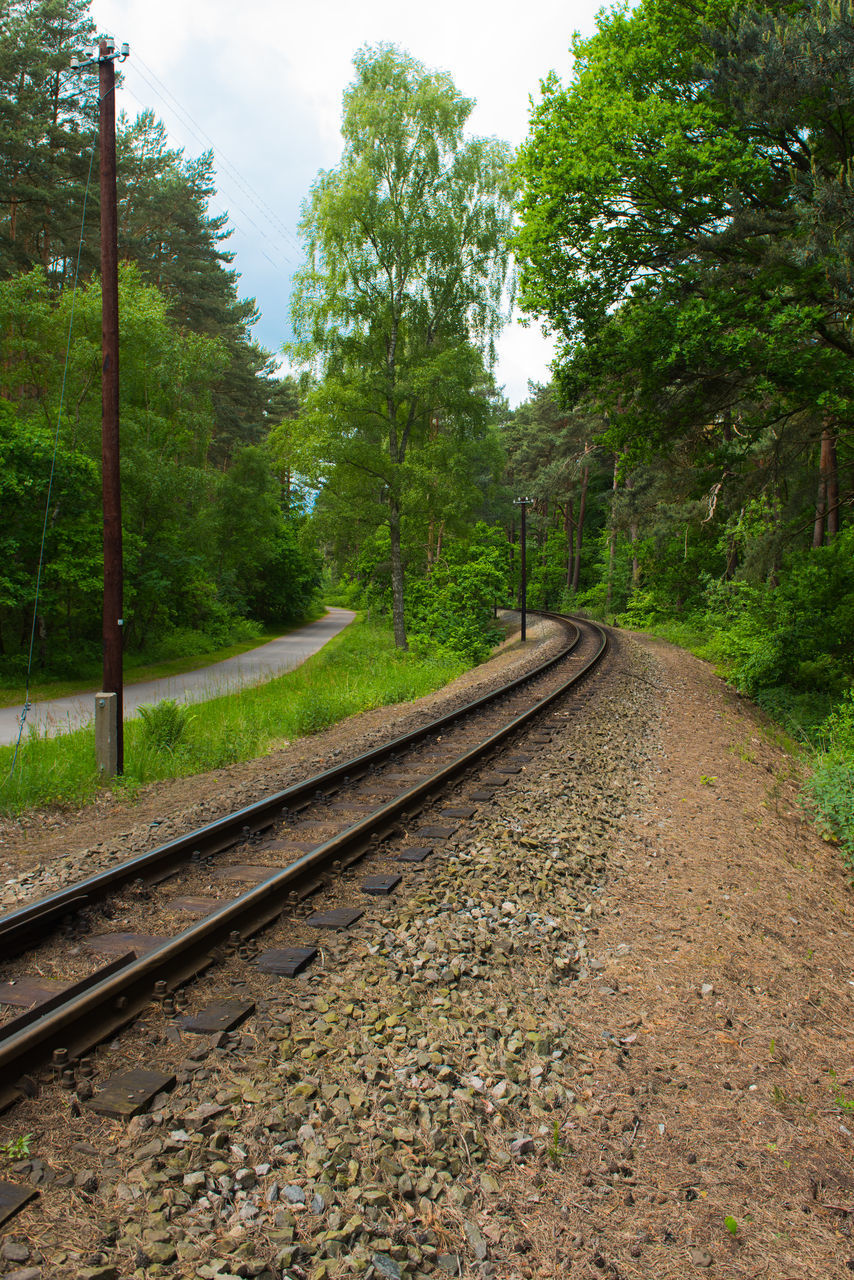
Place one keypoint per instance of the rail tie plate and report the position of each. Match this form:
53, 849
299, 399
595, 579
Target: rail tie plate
13, 1198
218, 1016
381, 886
286, 962
338, 918
418, 853
126, 1095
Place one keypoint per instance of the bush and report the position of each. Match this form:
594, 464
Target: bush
831, 787
641, 612
799, 632
164, 724
453, 606
346, 593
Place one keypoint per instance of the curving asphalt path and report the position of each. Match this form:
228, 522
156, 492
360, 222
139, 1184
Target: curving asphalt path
254, 667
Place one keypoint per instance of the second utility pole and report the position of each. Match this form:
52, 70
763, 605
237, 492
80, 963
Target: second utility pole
523, 589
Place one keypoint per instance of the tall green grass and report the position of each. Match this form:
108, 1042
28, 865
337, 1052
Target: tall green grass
358, 670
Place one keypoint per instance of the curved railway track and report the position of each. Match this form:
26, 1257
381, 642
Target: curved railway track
289, 846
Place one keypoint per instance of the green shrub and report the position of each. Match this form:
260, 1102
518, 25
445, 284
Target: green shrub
831, 787
346, 593
547, 577
831, 790
164, 724
453, 607
641, 612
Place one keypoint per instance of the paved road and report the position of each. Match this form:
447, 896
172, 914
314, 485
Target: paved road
254, 667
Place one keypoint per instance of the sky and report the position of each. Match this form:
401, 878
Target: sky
260, 82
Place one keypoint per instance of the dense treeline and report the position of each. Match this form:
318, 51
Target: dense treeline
213, 531
687, 235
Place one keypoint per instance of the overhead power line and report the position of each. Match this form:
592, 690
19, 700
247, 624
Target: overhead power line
217, 206
226, 165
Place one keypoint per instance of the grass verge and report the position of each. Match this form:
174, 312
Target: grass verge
137, 668
358, 670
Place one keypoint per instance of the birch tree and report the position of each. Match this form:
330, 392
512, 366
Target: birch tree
401, 299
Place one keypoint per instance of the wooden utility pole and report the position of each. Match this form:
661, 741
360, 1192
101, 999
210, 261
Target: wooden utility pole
109, 726
111, 478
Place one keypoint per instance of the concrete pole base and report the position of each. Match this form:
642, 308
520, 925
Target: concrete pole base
106, 734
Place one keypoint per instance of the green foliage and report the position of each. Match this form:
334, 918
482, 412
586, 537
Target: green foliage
16, 1148
196, 392
831, 786
799, 632
72, 572
346, 593
46, 129
547, 580
164, 724
453, 606
190, 565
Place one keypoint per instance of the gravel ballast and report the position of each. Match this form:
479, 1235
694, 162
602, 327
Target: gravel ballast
577, 1042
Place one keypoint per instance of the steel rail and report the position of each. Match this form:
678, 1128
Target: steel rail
19, 927
87, 1018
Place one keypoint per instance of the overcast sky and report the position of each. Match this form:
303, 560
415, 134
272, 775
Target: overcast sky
261, 82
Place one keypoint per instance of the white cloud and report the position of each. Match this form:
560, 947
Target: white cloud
263, 82
524, 355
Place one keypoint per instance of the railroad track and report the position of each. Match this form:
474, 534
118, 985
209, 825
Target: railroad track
285, 848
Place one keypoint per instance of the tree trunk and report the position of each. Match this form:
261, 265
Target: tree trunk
830, 475
42, 645
434, 543
612, 543
820, 511
396, 574
569, 528
820, 498
579, 528
633, 538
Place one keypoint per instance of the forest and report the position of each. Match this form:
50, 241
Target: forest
679, 218
198, 395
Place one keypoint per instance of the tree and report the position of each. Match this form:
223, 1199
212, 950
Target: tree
48, 151
45, 133
72, 572
686, 230
166, 229
551, 456
401, 299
